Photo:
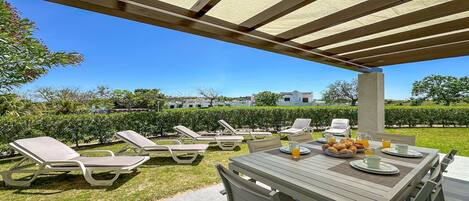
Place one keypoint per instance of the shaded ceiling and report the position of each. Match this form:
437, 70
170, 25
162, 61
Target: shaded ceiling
359, 35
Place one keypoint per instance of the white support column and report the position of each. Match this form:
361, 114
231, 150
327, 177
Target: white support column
371, 102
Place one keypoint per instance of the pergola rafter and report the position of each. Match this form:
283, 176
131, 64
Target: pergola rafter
271, 28
350, 13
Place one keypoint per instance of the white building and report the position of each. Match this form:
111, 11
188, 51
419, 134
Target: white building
296, 98
203, 103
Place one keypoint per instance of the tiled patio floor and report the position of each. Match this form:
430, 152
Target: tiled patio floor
456, 185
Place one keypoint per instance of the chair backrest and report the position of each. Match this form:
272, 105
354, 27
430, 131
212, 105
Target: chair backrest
303, 137
265, 144
134, 138
425, 192
340, 123
227, 126
301, 123
434, 182
43, 149
187, 132
239, 189
449, 157
395, 138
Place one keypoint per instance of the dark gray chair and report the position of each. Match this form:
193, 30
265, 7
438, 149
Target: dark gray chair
262, 145
239, 189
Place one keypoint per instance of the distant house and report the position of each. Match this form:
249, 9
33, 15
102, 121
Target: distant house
203, 103
296, 98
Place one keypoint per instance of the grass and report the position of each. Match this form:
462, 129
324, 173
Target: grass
161, 177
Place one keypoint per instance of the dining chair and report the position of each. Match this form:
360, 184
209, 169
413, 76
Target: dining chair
239, 189
432, 190
395, 138
301, 138
265, 144
449, 157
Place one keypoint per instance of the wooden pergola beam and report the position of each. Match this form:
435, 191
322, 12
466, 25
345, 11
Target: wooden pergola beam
436, 52
202, 7
276, 11
433, 12
445, 39
167, 15
403, 36
347, 14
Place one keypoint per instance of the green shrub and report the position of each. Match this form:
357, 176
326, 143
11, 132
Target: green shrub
83, 128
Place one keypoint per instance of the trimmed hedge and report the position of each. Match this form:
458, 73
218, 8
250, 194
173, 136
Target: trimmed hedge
77, 129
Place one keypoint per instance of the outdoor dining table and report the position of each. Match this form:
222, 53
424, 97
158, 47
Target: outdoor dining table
319, 177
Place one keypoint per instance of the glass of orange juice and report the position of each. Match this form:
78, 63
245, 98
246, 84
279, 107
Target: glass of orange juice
363, 139
331, 138
386, 143
295, 150
370, 152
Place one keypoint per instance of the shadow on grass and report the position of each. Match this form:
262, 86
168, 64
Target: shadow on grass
216, 148
156, 161
49, 184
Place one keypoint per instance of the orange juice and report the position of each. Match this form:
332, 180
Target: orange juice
386, 143
295, 153
369, 152
331, 139
364, 142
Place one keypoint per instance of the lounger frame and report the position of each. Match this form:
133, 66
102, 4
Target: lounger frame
54, 166
223, 144
174, 153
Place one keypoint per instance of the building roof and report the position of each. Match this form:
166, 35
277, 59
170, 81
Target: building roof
360, 35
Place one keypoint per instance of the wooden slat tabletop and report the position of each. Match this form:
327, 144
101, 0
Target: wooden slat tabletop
314, 178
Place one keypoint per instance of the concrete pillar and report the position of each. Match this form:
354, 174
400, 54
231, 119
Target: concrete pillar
371, 102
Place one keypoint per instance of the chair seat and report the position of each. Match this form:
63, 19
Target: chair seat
230, 138
110, 161
335, 130
183, 147
292, 131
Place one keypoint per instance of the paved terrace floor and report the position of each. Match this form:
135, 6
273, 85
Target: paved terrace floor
455, 185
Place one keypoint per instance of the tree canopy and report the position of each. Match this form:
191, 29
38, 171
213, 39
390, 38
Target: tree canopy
342, 92
267, 98
22, 57
441, 89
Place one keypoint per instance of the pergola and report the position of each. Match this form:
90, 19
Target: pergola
359, 35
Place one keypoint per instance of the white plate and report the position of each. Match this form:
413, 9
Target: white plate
303, 150
322, 140
384, 168
410, 153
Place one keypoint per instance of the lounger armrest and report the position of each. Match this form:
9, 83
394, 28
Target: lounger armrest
159, 146
174, 141
98, 151
79, 163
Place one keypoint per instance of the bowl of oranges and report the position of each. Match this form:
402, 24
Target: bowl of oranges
346, 148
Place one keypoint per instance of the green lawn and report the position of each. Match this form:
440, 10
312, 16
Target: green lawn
161, 177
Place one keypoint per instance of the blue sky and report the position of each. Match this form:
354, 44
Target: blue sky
124, 54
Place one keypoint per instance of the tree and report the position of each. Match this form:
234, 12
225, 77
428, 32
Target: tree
210, 94
342, 92
266, 98
441, 89
149, 98
123, 98
22, 57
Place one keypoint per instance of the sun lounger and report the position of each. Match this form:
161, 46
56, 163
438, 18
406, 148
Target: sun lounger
224, 142
50, 155
142, 145
229, 130
298, 127
339, 127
